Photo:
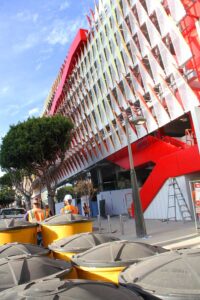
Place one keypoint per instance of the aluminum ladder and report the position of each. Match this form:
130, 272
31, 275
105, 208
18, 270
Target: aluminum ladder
176, 198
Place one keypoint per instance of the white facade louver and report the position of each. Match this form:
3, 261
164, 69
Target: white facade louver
134, 58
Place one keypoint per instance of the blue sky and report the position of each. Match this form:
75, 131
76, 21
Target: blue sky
35, 36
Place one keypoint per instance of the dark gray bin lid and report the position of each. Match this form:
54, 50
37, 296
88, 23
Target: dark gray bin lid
17, 270
69, 289
12, 224
114, 254
12, 249
64, 219
170, 276
81, 242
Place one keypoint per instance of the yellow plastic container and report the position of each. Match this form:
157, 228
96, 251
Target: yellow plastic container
20, 231
103, 274
13, 249
77, 243
72, 274
58, 227
63, 255
106, 261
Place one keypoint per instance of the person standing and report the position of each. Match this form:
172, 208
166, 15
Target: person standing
48, 212
68, 207
35, 215
86, 209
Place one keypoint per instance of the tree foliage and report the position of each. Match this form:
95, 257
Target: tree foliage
61, 192
84, 188
21, 182
7, 196
37, 146
5, 180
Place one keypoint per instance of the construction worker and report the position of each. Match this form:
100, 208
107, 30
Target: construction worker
68, 207
86, 209
35, 215
48, 212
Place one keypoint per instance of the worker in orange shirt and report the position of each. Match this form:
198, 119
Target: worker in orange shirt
86, 209
48, 212
68, 207
35, 215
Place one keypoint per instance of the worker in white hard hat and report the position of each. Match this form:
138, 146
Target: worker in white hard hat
68, 207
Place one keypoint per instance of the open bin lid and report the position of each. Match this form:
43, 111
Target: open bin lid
64, 219
81, 242
17, 270
12, 249
11, 224
173, 275
69, 289
114, 254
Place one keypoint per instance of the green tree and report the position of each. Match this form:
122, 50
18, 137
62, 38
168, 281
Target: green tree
7, 196
21, 182
38, 146
5, 180
61, 192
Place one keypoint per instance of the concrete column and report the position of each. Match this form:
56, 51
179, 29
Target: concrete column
100, 179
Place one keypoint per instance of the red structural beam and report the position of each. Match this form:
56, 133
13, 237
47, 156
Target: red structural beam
176, 164
74, 51
171, 160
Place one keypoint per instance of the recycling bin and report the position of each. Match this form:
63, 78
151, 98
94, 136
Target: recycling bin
169, 276
17, 230
106, 261
60, 226
77, 243
13, 249
18, 270
69, 289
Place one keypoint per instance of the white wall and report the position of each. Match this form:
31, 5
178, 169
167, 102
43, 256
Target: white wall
158, 207
117, 201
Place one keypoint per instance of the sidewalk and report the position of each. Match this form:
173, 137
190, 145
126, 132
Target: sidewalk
171, 235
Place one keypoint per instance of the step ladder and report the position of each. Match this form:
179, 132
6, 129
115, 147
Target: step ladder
176, 199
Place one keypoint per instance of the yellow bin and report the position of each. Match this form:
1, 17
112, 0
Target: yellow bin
17, 230
65, 248
60, 226
106, 261
104, 274
13, 249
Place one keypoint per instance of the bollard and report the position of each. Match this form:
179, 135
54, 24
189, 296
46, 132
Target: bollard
99, 222
109, 225
121, 221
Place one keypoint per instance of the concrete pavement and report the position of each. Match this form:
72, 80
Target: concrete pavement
171, 234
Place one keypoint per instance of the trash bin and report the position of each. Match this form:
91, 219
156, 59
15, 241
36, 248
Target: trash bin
74, 289
77, 243
13, 249
60, 226
106, 261
17, 230
169, 276
17, 270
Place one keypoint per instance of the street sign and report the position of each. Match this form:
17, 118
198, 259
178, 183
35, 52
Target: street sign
195, 195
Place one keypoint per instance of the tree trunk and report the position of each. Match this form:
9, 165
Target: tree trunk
51, 202
27, 201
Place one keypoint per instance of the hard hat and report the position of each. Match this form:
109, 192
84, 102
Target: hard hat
68, 197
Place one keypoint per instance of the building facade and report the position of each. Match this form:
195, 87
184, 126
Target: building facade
138, 58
